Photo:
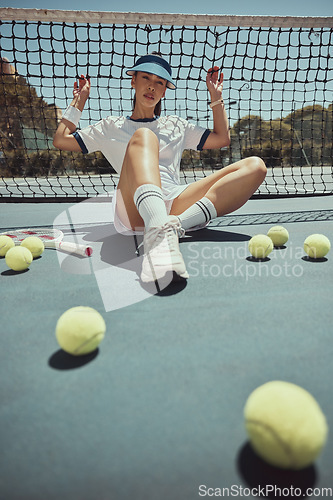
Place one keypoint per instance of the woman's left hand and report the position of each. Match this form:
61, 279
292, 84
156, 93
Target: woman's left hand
214, 83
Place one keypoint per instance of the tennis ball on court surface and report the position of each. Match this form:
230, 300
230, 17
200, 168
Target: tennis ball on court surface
260, 246
317, 246
34, 244
80, 330
279, 235
5, 244
285, 425
18, 258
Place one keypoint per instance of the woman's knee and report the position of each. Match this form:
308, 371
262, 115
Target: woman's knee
257, 166
143, 137
141, 160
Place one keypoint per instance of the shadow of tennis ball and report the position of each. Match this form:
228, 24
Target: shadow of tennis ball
61, 360
273, 480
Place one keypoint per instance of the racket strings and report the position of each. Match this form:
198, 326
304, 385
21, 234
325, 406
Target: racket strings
45, 235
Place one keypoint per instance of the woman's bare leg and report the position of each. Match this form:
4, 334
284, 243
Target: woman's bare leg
228, 189
140, 204
140, 166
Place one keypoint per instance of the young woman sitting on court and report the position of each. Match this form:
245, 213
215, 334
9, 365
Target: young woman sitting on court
146, 149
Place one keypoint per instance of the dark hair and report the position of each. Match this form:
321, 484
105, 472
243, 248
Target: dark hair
158, 107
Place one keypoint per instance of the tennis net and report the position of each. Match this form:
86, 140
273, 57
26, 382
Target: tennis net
278, 92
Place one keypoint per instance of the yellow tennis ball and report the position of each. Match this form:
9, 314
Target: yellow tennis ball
317, 246
285, 425
5, 244
18, 258
80, 330
34, 244
260, 246
279, 235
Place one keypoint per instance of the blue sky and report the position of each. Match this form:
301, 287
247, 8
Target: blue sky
238, 7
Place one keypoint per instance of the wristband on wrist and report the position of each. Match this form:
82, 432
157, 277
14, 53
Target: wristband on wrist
73, 115
215, 103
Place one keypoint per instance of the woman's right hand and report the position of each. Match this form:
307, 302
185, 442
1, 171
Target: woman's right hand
82, 89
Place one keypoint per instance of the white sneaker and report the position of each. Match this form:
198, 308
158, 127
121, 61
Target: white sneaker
162, 256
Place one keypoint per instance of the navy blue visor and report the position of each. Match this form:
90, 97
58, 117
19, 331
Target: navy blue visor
154, 65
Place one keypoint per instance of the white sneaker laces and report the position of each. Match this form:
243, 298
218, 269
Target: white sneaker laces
169, 229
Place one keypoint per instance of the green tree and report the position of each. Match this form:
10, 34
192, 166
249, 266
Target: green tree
304, 136
311, 139
267, 139
22, 107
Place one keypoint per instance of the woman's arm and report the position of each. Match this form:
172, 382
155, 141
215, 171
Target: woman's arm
63, 138
220, 137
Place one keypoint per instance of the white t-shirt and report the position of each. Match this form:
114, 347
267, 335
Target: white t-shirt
111, 136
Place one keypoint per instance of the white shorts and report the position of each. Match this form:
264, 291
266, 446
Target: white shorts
123, 227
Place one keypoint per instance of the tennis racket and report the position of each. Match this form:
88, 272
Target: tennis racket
52, 238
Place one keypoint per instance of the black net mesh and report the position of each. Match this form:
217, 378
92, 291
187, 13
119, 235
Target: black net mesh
278, 93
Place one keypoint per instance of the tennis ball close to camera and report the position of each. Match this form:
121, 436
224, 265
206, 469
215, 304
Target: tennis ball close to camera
317, 246
260, 246
279, 235
18, 258
80, 330
34, 244
285, 425
5, 244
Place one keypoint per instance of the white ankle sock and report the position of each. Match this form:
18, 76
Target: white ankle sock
202, 211
149, 201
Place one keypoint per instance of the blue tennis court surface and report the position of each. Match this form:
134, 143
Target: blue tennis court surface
156, 412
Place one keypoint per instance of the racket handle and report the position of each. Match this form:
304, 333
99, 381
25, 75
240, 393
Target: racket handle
66, 246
